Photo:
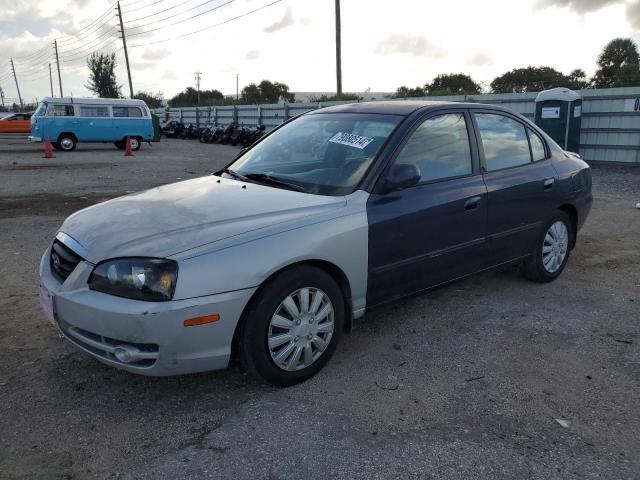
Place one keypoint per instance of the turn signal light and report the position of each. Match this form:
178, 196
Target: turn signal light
192, 322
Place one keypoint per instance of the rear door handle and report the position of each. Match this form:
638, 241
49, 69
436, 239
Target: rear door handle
548, 183
472, 203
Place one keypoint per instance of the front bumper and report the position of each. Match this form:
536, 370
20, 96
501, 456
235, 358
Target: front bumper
149, 336
33, 138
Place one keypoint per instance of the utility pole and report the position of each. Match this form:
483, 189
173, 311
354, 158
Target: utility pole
338, 52
13, 68
124, 44
198, 74
51, 80
2, 96
237, 87
55, 46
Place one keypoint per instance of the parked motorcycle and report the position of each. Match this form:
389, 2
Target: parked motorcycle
225, 137
190, 131
172, 129
211, 134
253, 135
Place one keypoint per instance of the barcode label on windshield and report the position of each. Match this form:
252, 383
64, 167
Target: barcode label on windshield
351, 140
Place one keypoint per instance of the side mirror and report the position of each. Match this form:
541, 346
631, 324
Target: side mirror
402, 175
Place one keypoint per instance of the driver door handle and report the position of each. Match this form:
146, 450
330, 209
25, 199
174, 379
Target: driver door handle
548, 183
472, 203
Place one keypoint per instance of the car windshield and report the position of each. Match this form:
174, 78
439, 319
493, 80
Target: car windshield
325, 153
42, 108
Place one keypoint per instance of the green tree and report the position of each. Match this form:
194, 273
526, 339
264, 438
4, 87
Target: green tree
406, 92
578, 79
153, 100
334, 98
529, 79
266, 92
452, 84
251, 94
102, 75
618, 65
189, 98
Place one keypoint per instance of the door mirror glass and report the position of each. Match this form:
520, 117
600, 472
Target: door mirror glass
402, 175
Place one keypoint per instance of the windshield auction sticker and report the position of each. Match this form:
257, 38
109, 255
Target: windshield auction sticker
351, 140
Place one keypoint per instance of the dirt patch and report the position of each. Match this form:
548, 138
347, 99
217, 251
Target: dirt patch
48, 204
48, 166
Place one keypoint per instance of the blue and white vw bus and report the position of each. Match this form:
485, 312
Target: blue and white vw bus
67, 121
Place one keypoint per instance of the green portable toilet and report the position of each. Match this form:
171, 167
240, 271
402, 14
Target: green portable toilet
559, 114
156, 127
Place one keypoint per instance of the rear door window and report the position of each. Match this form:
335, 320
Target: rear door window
94, 111
504, 141
63, 111
439, 147
127, 112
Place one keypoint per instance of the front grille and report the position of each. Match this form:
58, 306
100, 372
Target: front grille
63, 260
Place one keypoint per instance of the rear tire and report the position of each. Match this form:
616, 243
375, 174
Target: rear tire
308, 339
136, 143
552, 250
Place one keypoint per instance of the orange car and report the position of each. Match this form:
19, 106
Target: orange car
16, 123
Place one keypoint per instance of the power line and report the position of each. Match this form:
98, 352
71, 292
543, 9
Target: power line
179, 21
80, 32
145, 6
106, 43
90, 45
162, 11
207, 28
90, 33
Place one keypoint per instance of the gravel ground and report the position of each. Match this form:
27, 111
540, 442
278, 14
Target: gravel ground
466, 382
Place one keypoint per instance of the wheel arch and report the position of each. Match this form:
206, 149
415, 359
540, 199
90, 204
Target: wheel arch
572, 213
71, 134
330, 268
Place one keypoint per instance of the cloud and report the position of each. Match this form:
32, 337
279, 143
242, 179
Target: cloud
252, 55
480, 59
633, 13
416, 45
169, 75
580, 6
285, 22
151, 55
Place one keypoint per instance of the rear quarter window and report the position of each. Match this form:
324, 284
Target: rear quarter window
538, 152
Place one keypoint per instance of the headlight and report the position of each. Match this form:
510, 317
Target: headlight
150, 279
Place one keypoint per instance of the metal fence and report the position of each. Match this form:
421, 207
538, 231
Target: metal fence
610, 125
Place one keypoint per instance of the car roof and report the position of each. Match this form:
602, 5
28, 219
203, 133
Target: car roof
400, 107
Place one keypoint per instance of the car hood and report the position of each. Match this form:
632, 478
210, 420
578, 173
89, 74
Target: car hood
175, 218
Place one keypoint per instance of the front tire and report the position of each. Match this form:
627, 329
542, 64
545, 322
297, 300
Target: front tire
66, 143
552, 250
292, 326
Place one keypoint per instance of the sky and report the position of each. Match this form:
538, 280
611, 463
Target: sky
385, 44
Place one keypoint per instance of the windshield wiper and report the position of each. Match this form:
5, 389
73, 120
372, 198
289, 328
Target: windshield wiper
234, 174
268, 179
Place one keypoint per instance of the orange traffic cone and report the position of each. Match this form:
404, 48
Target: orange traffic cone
127, 150
48, 151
